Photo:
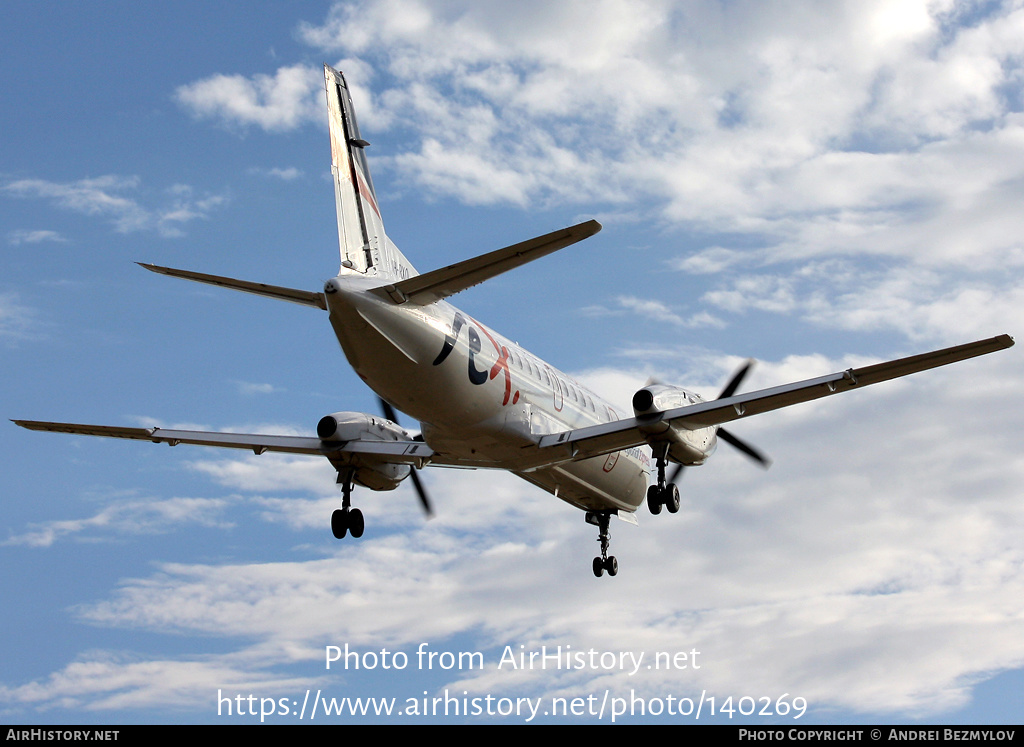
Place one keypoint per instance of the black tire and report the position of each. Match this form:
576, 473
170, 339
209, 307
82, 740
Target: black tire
598, 567
339, 523
612, 565
355, 523
672, 498
654, 499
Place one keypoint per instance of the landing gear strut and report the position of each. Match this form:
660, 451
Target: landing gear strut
665, 493
346, 519
606, 562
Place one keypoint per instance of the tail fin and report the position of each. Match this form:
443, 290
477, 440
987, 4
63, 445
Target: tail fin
360, 228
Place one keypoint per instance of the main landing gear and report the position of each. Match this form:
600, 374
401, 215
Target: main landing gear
347, 520
665, 493
606, 562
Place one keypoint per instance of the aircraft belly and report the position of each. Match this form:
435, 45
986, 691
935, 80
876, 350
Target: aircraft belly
610, 482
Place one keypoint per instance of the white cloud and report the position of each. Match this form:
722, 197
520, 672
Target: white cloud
268, 472
106, 197
762, 292
659, 312
299, 513
248, 388
291, 97
17, 321
98, 196
129, 517
27, 236
655, 311
710, 260
287, 174
921, 304
102, 681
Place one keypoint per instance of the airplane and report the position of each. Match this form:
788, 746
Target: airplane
483, 401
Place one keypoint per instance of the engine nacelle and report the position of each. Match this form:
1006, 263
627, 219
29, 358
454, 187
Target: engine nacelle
359, 426
685, 446
661, 397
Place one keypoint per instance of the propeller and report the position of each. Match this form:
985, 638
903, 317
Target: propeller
729, 438
734, 441
389, 413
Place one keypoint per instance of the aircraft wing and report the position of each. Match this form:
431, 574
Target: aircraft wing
447, 281
623, 434
307, 298
415, 453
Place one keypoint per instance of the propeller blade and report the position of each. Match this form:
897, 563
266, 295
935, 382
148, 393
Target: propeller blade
746, 448
676, 474
737, 379
421, 492
737, 443
389, 413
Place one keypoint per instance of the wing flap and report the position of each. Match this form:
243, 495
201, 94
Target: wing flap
447, 281
306, 298
601, 439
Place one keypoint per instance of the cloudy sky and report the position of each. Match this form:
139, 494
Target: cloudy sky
812, 185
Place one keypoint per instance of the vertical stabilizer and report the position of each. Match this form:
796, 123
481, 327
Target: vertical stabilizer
360, 229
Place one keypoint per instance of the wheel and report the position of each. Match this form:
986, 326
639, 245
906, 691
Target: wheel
612, 565
654, 499
672, 498
339, 523
598, 567
355, 523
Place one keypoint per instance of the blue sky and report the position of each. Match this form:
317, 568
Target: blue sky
815, 187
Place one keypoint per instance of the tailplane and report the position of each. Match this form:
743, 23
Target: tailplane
365, 248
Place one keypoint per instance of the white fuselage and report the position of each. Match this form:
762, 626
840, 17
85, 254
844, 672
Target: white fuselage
478, 395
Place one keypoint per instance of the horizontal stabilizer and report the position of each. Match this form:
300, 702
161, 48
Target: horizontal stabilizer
307, 298
623, 434
447, 281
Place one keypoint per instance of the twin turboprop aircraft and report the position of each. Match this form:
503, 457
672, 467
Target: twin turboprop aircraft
481, 400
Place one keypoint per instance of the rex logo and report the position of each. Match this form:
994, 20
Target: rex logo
477, 376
